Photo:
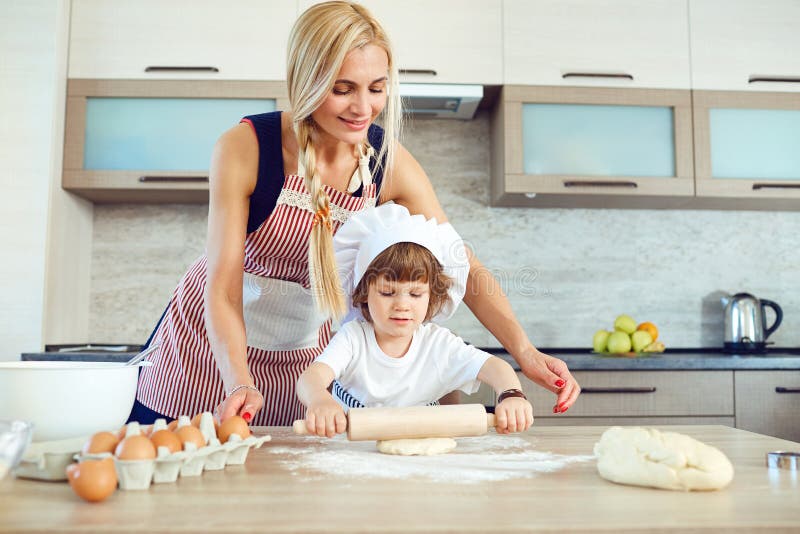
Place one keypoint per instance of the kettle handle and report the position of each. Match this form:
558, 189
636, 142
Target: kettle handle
778, 316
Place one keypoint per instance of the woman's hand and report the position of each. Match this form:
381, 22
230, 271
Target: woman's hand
244, 401
514, 414
326, 418
553, 374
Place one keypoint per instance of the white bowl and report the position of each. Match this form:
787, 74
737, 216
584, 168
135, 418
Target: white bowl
68, 399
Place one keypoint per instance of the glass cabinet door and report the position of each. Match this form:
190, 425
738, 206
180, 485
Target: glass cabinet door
152, 140
164, 134
747, 145
550, 143
598, 140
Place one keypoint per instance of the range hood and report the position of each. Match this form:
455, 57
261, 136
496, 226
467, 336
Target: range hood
441, 101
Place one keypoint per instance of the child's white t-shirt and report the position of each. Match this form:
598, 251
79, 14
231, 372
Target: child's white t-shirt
437, 362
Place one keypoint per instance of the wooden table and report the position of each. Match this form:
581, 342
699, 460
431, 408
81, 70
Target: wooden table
274, 492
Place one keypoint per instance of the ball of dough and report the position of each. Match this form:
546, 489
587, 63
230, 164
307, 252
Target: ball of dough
422, 447
668, 460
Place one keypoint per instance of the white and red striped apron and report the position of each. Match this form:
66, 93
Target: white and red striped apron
284, 334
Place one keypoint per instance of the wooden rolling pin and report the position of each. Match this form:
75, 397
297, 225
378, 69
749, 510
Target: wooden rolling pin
451, 421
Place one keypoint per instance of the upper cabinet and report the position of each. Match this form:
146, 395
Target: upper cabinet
180, 39
744, 45
447, 41
616, 43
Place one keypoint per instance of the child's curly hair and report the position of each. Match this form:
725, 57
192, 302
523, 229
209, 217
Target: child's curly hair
405, 262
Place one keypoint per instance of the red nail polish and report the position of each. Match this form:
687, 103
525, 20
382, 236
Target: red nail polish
247, 416
560, 383
555, 409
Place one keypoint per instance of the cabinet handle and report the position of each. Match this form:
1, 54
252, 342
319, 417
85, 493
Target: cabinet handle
756, 187
174, 179
418, 71
180, 69
620, 75
781, 389
588, 183
774, 79
619, 390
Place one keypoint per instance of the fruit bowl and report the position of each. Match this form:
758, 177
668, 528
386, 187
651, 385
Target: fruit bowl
627, 339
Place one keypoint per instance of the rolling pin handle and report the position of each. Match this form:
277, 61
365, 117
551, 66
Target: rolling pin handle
299, 427
490, 421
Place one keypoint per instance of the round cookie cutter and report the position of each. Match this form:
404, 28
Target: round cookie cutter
783, 460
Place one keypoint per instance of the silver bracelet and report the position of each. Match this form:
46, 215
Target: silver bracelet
234, 389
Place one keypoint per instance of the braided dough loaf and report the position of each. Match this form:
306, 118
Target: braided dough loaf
668, 460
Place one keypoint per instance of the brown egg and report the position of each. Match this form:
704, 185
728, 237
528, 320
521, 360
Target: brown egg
166, 438
233, 425
190, 434
173, 425
135, 448
100, 442
93, 480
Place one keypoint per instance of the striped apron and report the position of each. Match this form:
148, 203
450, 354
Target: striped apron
284, 331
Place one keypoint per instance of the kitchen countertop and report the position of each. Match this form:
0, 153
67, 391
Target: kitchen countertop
576, 359
279, 489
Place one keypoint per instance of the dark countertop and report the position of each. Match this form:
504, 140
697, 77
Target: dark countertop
702, 359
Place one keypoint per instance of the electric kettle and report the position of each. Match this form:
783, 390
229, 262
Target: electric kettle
746, 323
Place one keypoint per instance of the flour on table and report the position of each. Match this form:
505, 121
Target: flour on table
476, 459
416, 447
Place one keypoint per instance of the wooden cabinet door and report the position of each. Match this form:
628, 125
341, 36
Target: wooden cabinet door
743, 45
591, 147
447, 41
768, 402
746, 146
618, 43
180, 39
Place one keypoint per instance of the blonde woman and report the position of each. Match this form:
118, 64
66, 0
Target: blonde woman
254, 311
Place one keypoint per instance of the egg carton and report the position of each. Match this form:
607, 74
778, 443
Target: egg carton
192, 461
48, 460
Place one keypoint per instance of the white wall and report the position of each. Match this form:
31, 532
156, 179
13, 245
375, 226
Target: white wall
33, 48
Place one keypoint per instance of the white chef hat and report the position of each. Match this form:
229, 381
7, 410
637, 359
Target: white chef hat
368, 233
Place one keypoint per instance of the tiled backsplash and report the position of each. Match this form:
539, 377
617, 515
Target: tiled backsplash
567, 272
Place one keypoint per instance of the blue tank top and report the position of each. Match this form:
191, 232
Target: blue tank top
270, 166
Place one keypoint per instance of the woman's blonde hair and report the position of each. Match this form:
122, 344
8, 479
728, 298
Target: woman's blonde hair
320, 39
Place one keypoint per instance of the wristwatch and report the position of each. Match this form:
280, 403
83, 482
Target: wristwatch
510, 393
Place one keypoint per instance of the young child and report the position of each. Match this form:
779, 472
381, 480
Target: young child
403, 271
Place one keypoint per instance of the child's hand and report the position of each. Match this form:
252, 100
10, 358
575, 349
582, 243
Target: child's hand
326, 418
514, 414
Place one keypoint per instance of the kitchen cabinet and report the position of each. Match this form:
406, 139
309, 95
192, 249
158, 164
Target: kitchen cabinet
180, 39
151, 141
648, 396
746, 146
613, 43
768, 402
448, 41
741, 45
591, 147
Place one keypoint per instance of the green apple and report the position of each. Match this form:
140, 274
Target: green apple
625, 323
619, 342
600, 340
641, 339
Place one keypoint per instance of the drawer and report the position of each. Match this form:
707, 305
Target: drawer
632, 421
642, 393
768, 402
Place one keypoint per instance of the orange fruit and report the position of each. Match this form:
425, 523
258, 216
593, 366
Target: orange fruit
650, 328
